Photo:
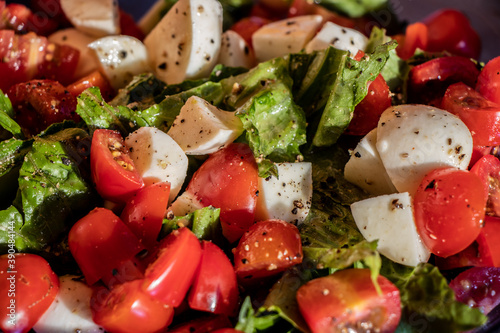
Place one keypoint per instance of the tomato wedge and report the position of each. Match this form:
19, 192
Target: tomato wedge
416, 37
94, 79
488, 82
489, 240
113, 171
488, 170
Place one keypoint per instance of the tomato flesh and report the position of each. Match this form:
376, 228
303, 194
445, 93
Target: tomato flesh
94, 79
203, 325
449, 207
416, 37
489, 240
347, 301
488, 82
488, 169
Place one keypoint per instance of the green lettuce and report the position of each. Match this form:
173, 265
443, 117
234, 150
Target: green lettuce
352, 8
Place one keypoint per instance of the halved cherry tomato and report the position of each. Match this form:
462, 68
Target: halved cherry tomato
248, 25
52, 9
202, 325
21, 19
469, 257
488, 82
489, 240
449, 207
28, 287
144, 212
488, 170
60, 63
128, 26
101, 243
305, 7
267, 248
94, 79
415, 37
170, 275
228, 180
127, 308
40, 103
450, 30
478, 287
113, 171
214, 288
347, 300
481, 116
428, 82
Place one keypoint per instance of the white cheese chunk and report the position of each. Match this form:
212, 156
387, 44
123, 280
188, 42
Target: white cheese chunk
286, 36
415, 139
339, 37
98, 18
235, 52
201, 128
365, 168
121, 58
158, 158
184, 204
287, 197
389, 219
185, 44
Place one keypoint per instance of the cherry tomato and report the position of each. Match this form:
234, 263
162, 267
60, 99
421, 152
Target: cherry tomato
101, 243
368, 111
21, 19
144, 212
267, 248
248, 25
50, 9
489, 240
481, 116
170, 275
228, 180
450, 30
347, 300
126, 308
227, 330
305, 7
488, 170
113, 171
128, 26
469, 257
428, 82
214, 288
28, 287
94, 79
478, 287
202, 325
60, 63
449, 207
415, 37
488, 82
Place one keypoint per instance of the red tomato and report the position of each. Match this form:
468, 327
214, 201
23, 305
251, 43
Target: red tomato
347, 300
478, 287
470, 256
113, 171
261, 10
144, 212
40, 103
416, 37
267, 248
305, 7
28, 287
449, 207
481, 116
429, 81
488, 170
60, 63
228, 180
101, 243
226, 330
248, 25
94, 79
214, 288
202, 325
21, 19
50, 9
129, 27
450, 30
488, 82
489, 240
127, 308
169, 277
368, 111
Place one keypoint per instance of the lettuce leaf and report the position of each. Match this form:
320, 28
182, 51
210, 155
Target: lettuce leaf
353, 8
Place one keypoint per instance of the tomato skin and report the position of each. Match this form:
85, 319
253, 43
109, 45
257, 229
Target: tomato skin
488, 82
100, 243
368, 111
489, 240
449, 207
228, 180
488, 170
416, 36
94, 79
267, 248
60, 63
214, 288
471, 256
346, 299
169, 277
202, 325
113, 171
35, 288
128, 26
248, 25
145, 210
126, 307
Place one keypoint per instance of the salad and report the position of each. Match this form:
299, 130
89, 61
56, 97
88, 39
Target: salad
246, 166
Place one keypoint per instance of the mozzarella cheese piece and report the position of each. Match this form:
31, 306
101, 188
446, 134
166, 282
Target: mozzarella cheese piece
88, 62
287, 197
70, 311
158, 158
235, 52
185, 44
365, 168
201, 128
184, 204
121, 57
97, 18
415, 139
389, 219
339, 37
285, 36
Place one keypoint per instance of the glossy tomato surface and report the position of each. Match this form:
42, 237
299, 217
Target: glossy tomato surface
488, 82
449, 207
348, 301
489, 240
28, 286
488, 170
